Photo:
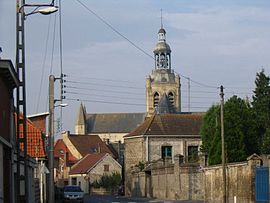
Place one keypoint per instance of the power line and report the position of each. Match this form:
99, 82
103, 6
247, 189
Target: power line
132, 43
99, 95
105, 102
102, 90
115, 30
102, 79
43, 64
109, 85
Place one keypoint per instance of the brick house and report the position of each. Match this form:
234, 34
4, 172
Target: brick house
8, 81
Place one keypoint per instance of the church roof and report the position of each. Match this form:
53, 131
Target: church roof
89, 144
162, 30
162, 47
185, 125
113, 122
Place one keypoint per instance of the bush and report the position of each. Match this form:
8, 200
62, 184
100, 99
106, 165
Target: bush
108, 181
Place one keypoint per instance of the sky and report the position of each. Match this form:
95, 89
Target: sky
213, 43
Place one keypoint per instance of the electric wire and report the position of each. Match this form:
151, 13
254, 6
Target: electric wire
43, 65
105, 102
61, 62
114, 29
99, 95
93, 89
52, 54
140, 49
109, 85
101, 79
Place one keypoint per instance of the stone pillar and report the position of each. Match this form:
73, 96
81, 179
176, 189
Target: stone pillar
178, 160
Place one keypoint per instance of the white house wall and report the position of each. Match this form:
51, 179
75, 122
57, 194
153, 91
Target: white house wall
179, 146
98, 170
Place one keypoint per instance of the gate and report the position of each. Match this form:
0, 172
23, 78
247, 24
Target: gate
262, 184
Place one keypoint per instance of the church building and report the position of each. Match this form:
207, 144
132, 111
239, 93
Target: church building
163, 95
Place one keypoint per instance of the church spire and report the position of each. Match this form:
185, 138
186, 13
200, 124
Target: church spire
162, 50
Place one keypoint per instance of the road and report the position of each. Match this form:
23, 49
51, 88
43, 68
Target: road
120, 199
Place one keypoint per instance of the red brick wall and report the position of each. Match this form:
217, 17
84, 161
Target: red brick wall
40, 123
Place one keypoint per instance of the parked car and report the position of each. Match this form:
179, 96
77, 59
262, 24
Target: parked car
73, 193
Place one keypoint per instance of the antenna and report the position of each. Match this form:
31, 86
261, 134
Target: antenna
161, 18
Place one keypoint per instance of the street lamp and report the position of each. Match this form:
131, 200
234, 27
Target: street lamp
21, 92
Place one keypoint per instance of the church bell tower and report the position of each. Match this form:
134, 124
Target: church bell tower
163, 94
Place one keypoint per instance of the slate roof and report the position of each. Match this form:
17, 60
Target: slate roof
170, 124
86, 163
89, 144
113, 122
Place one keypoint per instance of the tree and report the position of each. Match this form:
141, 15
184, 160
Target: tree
261, 106
239, 131
265, 149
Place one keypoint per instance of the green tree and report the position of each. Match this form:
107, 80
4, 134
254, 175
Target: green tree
265, 148
261, 106
239, 131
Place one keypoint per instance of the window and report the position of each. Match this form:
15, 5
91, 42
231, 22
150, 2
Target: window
156, 99
166, 152
171, 98
106, 168
193, 154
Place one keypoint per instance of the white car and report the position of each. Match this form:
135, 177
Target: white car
73, 193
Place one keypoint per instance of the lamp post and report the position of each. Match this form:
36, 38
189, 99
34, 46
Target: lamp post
21, 93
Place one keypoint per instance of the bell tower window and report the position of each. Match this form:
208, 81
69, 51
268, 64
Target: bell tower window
171, 98
156, 99
162, 61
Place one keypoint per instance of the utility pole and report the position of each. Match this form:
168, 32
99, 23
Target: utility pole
51, 139
222, 145
22, 175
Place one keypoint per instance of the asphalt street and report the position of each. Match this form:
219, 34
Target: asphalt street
121, 199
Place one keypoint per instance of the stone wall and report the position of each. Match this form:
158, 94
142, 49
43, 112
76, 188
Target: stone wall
165, 180
134, 153
183, 181
240, 178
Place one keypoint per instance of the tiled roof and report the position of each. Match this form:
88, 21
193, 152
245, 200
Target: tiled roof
113, 122
86, 163
170, 124
60, 145
89, 144
35, 141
